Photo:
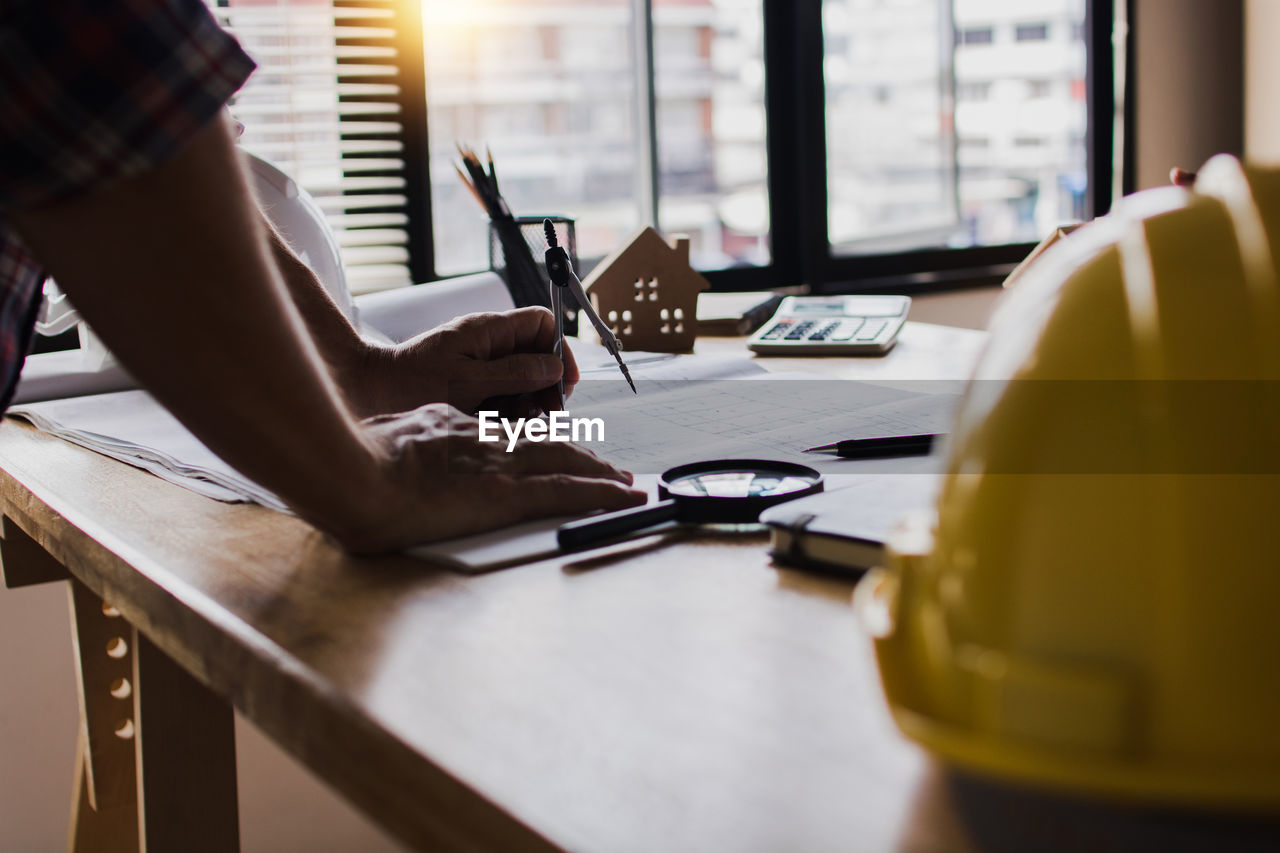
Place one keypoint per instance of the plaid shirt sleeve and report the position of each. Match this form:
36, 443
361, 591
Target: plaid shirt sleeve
93, 92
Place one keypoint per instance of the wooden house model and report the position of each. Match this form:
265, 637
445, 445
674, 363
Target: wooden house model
648, 294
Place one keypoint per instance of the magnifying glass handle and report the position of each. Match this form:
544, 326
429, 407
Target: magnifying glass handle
576, 535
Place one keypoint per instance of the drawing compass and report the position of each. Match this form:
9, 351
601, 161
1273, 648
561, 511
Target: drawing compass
561, 273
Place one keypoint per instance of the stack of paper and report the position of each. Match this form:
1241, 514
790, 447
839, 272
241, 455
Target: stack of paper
132, 427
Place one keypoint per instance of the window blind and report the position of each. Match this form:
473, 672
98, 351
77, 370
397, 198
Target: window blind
324, 106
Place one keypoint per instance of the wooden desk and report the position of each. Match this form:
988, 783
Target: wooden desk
678, 696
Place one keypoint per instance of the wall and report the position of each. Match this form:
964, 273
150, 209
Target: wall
1189, 87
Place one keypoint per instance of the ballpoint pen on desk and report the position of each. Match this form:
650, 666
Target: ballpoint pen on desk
869, 448
561, 273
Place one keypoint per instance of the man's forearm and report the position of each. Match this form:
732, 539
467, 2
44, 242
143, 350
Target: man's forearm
188, 297
335, 336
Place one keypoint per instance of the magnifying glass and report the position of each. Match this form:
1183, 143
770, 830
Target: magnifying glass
725, 491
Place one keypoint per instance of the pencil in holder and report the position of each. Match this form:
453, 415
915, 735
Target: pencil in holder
534, 237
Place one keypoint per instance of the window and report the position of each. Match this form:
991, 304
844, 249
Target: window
1031, 32
323, 106
708, 178
973, 91
583, 165
977, 35
862, 143
926, 171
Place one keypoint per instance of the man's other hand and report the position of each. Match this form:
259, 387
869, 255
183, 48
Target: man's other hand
441, 481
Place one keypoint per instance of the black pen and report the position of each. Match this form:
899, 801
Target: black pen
557, 260
891, 445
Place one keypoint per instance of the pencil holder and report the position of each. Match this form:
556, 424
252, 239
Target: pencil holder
535, 238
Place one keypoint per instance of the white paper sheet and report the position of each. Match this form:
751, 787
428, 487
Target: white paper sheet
677, 420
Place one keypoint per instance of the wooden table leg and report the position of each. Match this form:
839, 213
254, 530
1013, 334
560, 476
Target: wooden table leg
157, 767
101, 830
186, 759
155, 755
105, 803
23, 560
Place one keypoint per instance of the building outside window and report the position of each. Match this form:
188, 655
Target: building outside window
709, 88
946, 124
925, 168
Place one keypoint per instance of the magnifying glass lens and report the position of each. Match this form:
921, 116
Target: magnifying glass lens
737, 484
723, 491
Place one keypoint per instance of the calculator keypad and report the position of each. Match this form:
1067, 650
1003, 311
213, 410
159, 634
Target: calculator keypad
839, 329
829, 325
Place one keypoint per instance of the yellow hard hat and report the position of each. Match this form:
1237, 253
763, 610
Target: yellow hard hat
1095, 603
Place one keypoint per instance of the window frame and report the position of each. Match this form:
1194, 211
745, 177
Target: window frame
796, 154
417, 149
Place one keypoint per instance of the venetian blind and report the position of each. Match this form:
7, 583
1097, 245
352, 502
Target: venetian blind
323, 106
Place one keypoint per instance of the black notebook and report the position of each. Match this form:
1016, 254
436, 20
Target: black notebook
844, 530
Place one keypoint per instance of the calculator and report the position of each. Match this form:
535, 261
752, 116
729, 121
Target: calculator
832, 325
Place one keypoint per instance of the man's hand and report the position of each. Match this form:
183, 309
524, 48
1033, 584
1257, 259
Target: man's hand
467, 361
506, 355
444, 482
